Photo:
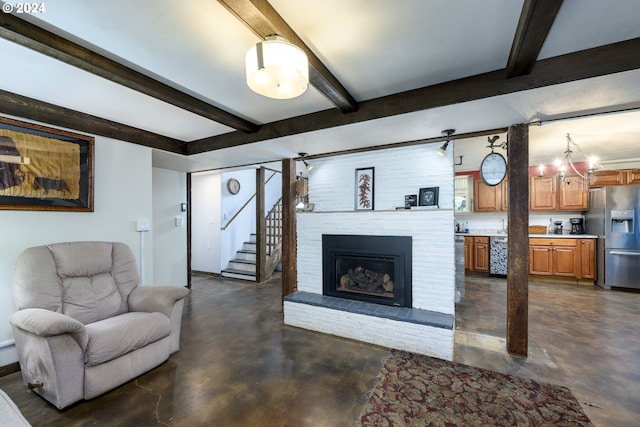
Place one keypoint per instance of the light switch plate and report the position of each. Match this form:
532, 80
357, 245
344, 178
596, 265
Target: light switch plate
143, 225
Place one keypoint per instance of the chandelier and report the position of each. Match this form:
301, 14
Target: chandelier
277, 69
567, 165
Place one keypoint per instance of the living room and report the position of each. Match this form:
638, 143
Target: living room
146, 149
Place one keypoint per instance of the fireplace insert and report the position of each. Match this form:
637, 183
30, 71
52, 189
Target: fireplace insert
368, 268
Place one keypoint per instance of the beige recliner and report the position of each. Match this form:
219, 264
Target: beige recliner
83, 325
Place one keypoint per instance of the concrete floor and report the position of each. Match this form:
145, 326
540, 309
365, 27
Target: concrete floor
240, 366
581, 337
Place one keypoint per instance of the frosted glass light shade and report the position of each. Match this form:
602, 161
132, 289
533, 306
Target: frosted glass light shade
277, 69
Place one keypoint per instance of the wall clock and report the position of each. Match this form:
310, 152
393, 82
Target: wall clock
493, 169
233, 185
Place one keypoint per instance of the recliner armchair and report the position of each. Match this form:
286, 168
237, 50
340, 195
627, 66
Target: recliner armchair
84, 325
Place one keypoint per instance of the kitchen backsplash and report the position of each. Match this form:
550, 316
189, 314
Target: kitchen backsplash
493, 222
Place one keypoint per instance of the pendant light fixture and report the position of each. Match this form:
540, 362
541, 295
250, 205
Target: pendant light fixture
567, 166
277, 69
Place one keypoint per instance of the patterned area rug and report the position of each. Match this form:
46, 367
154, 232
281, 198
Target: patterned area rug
416, 390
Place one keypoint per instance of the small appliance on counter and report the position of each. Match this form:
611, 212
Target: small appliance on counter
557, 227
577, 225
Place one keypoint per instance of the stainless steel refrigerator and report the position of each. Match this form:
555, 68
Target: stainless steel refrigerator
614, 217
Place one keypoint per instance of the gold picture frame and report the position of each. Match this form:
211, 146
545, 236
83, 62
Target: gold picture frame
42, 168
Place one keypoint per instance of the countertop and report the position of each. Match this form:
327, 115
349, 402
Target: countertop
494, 233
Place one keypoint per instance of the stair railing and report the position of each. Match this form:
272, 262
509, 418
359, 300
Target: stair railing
249, 200
273, 238
268, 231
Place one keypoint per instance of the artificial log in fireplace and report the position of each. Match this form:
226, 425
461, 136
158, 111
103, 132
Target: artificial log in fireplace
368, 268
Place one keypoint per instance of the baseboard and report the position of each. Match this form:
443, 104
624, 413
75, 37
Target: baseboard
9, 369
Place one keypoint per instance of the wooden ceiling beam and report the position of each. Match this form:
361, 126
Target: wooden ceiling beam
536, 20
263, 20
32, 109
595, 62
40, 40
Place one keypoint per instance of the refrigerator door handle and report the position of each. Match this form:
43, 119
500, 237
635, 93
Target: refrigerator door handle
625, 253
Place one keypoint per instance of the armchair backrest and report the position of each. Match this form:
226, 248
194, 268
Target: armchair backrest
88, 281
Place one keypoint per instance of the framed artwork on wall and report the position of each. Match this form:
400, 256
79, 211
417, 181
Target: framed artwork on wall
364, 194
42, 168
428, 196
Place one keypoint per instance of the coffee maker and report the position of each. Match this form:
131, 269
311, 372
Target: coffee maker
577, 225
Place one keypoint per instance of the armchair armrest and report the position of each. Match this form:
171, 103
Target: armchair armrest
156, 298
45, 323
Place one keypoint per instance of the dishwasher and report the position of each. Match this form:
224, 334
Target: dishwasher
498, 256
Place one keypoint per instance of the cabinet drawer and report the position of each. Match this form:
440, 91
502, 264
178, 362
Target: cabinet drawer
481, 239
552, 242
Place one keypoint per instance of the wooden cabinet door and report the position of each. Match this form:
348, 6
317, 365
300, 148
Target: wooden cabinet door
540, 260
633, 176
602, 178
588, 258
566, 261
468, 253
573, 194
505, 195
487, 198
542, 193
481, 257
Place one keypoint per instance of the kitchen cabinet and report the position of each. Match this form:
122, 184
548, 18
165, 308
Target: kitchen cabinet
554, 257
549, 193
588, 258
615, 177
489, 198
562, 257
542, 193
463, 194
476, 253
481, 254
468, 255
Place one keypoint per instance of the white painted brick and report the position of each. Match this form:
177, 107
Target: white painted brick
433, 267
398, 171
389, 333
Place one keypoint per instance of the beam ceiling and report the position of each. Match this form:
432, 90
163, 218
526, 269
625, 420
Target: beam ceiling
263, 20
536, 20
33, 37
32, 109
599, 61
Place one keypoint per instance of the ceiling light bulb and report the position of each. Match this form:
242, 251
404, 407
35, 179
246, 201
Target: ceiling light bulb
443, 150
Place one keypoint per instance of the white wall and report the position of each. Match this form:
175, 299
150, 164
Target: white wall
122, 194
206, 189
169, 192
245, 223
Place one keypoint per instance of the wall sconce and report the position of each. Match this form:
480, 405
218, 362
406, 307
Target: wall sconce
447, 132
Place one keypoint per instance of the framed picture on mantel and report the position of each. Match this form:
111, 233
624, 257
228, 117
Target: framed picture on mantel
429, 196
364, 194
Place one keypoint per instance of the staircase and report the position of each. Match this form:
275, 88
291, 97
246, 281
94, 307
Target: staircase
261, 255
243, 265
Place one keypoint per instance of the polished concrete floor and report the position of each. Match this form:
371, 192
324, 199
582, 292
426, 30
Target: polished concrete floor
240, 366
581, 337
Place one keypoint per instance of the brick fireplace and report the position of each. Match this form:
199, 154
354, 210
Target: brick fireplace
423, 323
